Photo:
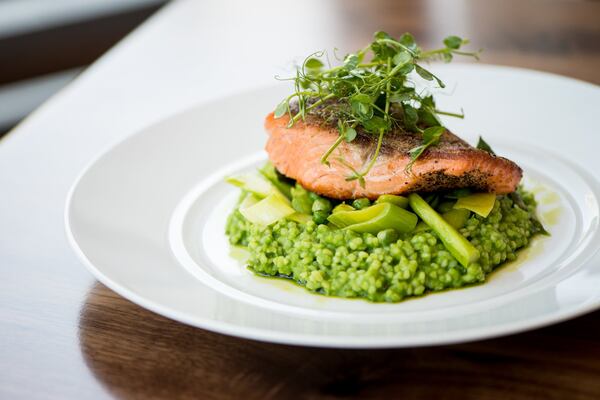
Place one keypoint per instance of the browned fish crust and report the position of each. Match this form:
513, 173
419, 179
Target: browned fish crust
452, 163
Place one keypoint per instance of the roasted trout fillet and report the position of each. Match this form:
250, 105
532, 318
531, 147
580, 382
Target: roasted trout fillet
296, 152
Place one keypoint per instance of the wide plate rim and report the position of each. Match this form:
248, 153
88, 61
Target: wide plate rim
338, 341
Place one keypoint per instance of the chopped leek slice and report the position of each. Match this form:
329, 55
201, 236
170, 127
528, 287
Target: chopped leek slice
249, 200
269, 172
375, 218
253, 183
399, 201
268, 210
343, 207
301, 200
299, 217
480, 203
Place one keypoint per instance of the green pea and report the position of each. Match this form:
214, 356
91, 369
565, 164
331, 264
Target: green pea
320, 217
388, 236
359, 204
321, 208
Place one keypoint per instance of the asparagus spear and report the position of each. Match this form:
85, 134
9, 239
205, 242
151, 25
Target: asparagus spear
456, 243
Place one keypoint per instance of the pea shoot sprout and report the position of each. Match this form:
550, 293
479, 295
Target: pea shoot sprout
373, 92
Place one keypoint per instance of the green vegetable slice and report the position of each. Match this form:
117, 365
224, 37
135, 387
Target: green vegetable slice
457, 218
359, 204
399, 201
456, 243
375, 218
253, 183
480, 203
299, 217
342, 207
249, 200
268, 210
269, 172
301, 200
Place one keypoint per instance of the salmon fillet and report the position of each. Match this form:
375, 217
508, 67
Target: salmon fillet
296, 152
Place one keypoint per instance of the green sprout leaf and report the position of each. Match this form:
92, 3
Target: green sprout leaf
313, 63
428, 101
362, 105
415, 153
411, 117
482, 145
423, 73
402, 58
350, 134
409, 41
431, 136
351, 62
453, 42
376, 124
281, 109
372, 91
403, 94
428, 117
399, 97
381, 35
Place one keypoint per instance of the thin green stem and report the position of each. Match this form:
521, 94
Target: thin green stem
388, 86
464, 53
397, 44
430, 53
331, 149
304, 93
355, 173
375, 106
364, 65
296, 117
374, 158
461, 115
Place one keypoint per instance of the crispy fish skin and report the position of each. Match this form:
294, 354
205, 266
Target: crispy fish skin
296, 152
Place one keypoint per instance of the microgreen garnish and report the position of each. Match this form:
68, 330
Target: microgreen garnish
431, 136
482, 145
375, 95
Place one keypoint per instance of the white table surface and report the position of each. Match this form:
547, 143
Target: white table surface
168, 64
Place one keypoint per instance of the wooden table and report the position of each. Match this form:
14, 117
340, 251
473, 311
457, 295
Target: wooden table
63, 335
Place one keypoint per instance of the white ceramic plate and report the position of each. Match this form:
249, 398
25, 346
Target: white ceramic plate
147, 218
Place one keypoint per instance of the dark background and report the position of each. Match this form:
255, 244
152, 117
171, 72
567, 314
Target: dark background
45, 44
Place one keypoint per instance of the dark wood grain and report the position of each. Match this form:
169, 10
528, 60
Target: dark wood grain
138, 354
64, 336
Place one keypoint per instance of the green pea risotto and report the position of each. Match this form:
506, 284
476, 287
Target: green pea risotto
386, 251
